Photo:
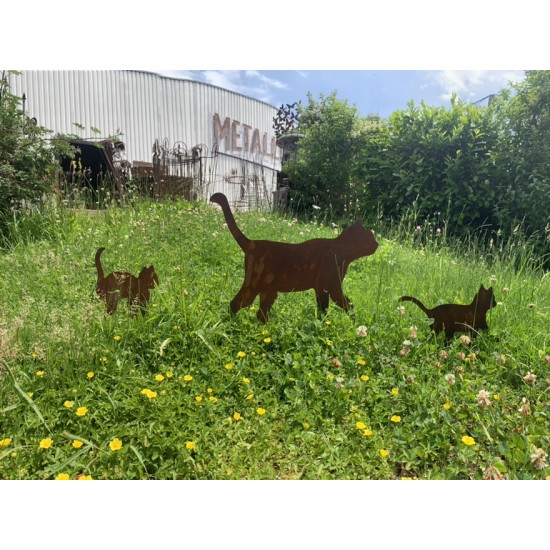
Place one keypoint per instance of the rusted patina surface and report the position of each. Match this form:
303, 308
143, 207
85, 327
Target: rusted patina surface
272, 267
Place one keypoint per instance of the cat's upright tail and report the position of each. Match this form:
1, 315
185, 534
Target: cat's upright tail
100, 272
417, 302
242, 240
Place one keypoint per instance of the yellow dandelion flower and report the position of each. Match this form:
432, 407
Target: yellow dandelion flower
209, 390
63, 476
361, 362
330, 376
395, 391
68, 404
260, 411
83, 477
103, 359
34, 355
188, 378
90, 375
361, 425
46, 443
496, 396
159, 378
384, 453
264, 332
395, 419
306, 426
169, 375
190, 445
213, 399
447, 406
267, 340
229, 366
467, 440
367, 432
329, 343
81, 411
237, 416
241, 354
77, 444
30, 393
365, 378
198, 398
250, 396
115, 444
5, 442
118, 338
328, 323
246, 380
40, 373
150, 394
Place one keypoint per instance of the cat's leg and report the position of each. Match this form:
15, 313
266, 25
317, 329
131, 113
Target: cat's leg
244, 298
266, 301
339, 298
112, 302
322, 300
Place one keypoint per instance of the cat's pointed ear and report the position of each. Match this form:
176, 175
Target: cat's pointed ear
481, 287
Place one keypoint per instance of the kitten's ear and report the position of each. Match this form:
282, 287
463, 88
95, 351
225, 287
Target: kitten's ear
481, 287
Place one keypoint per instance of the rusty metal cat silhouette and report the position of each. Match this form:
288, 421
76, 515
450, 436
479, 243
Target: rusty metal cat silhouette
451, 318
319, 264
121, 284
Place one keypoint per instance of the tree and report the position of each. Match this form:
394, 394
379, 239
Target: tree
523, 157
27, 159
321, 174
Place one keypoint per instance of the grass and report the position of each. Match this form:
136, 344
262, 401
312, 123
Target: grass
228, 398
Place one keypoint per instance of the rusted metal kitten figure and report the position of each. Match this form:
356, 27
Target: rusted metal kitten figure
272, 267
121, 284
452, 318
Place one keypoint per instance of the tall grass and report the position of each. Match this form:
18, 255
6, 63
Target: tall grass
326, 391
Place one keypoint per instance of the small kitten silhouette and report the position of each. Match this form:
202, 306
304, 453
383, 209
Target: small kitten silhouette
452, 318
121, 284
272, 267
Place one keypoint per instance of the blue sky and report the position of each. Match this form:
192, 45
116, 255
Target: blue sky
372, 91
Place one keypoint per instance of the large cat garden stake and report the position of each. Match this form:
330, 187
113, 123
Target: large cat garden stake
272, 267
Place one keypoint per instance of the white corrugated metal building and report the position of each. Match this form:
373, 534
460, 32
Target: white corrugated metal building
235, 132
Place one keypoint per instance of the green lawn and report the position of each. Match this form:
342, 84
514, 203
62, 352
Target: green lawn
228, 398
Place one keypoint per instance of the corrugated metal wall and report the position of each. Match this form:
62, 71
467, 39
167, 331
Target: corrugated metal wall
145, 107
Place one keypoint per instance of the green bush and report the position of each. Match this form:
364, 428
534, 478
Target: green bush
27, 158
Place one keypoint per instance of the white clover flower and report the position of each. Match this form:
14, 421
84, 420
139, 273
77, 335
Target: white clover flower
530, 378
483, 398
450, 379
538, 459
361, 331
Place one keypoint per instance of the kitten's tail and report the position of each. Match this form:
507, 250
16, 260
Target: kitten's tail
238, 235
417, 302
100, 272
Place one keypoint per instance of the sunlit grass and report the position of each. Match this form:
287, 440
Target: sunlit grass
189, 392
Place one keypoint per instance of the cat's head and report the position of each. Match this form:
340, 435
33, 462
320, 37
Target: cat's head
358, 241
148, 276
486, 296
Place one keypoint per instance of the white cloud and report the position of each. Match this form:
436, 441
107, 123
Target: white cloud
266, 80
473, 84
